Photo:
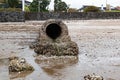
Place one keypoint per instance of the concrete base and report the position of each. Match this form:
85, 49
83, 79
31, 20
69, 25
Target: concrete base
59, 49
54, 39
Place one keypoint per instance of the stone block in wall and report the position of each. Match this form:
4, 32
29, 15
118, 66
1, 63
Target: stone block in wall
12, 17
72, 16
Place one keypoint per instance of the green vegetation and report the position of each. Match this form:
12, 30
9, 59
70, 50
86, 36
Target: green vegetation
35, 6
91, 9
3, 1
60, 6
9, 5
27, 9
10, 9
72, 10
113, 11
42, 6
13, 3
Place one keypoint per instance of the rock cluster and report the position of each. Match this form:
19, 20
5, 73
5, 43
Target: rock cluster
19, 64
58, 49
93, 77
61, 45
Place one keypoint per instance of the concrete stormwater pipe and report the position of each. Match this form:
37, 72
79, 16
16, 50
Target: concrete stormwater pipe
55, 40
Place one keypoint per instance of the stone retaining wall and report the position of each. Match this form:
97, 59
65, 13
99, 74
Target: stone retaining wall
75, 15
12, 17
20, 17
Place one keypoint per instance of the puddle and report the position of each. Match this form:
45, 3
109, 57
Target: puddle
19, 75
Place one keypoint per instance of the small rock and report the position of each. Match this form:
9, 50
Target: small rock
93, 77
19, 64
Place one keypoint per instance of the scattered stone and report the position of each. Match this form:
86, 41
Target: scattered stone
19, 64
93, 77
33, 45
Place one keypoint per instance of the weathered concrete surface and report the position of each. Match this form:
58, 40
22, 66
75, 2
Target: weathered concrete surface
54, 39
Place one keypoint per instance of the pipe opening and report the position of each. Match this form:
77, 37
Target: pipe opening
53, 31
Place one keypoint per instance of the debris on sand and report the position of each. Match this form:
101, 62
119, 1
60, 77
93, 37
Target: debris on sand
19, 64
93, 77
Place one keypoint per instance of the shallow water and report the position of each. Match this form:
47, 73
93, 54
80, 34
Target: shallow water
69, 67
99, 52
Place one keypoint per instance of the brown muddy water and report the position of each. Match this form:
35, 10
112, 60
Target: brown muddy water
99, 51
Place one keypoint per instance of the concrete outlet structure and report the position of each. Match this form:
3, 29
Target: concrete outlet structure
55, 40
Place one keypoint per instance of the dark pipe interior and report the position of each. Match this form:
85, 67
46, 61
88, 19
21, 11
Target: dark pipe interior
53, 31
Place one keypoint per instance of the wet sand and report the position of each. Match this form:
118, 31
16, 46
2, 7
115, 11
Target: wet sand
4, 74
99, 50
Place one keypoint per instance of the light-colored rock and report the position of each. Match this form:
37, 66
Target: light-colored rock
93, 77
19, 64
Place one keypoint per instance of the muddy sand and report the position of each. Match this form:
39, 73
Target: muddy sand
99, 51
